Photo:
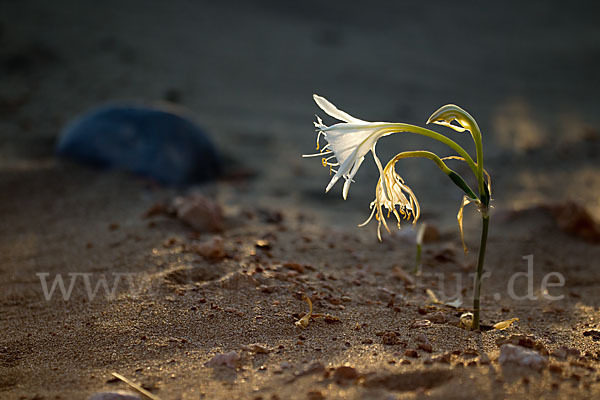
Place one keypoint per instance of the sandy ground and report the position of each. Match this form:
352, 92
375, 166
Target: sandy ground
528, 73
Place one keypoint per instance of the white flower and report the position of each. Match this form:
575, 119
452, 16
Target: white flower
396, 202
347, 142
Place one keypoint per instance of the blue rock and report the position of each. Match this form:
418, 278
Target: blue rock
147, 141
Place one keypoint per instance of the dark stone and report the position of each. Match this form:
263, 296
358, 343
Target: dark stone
148, 141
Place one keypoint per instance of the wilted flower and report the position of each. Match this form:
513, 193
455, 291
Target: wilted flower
396, 202
347, 143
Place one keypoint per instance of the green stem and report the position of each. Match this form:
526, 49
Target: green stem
483, 195
476, 294
457, 179
449, 142
450, 112
422, 154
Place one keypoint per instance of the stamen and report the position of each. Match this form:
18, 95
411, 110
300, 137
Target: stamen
316, 154
370, 216
318, 136
397, 218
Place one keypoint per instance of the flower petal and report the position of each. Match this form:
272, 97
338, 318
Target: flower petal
449, 125
447, 114
353, 172
333, 111
381, 174
333, 181
459, 217
346, 189
373, 209
343, 170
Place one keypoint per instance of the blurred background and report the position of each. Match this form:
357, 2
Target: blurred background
245, 72
527, 71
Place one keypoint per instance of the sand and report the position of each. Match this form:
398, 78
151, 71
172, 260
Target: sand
528, 74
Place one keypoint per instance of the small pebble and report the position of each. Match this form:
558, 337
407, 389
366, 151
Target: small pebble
116, 395
444, 358
484, 359
519, 355
421, 323
423, 343
556, 368
345, 373
200, 213
437, 318
411, 353
256, 348
212, 249
237, 281
228, 360
560, 353
315, 367
315, 395
390, 339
